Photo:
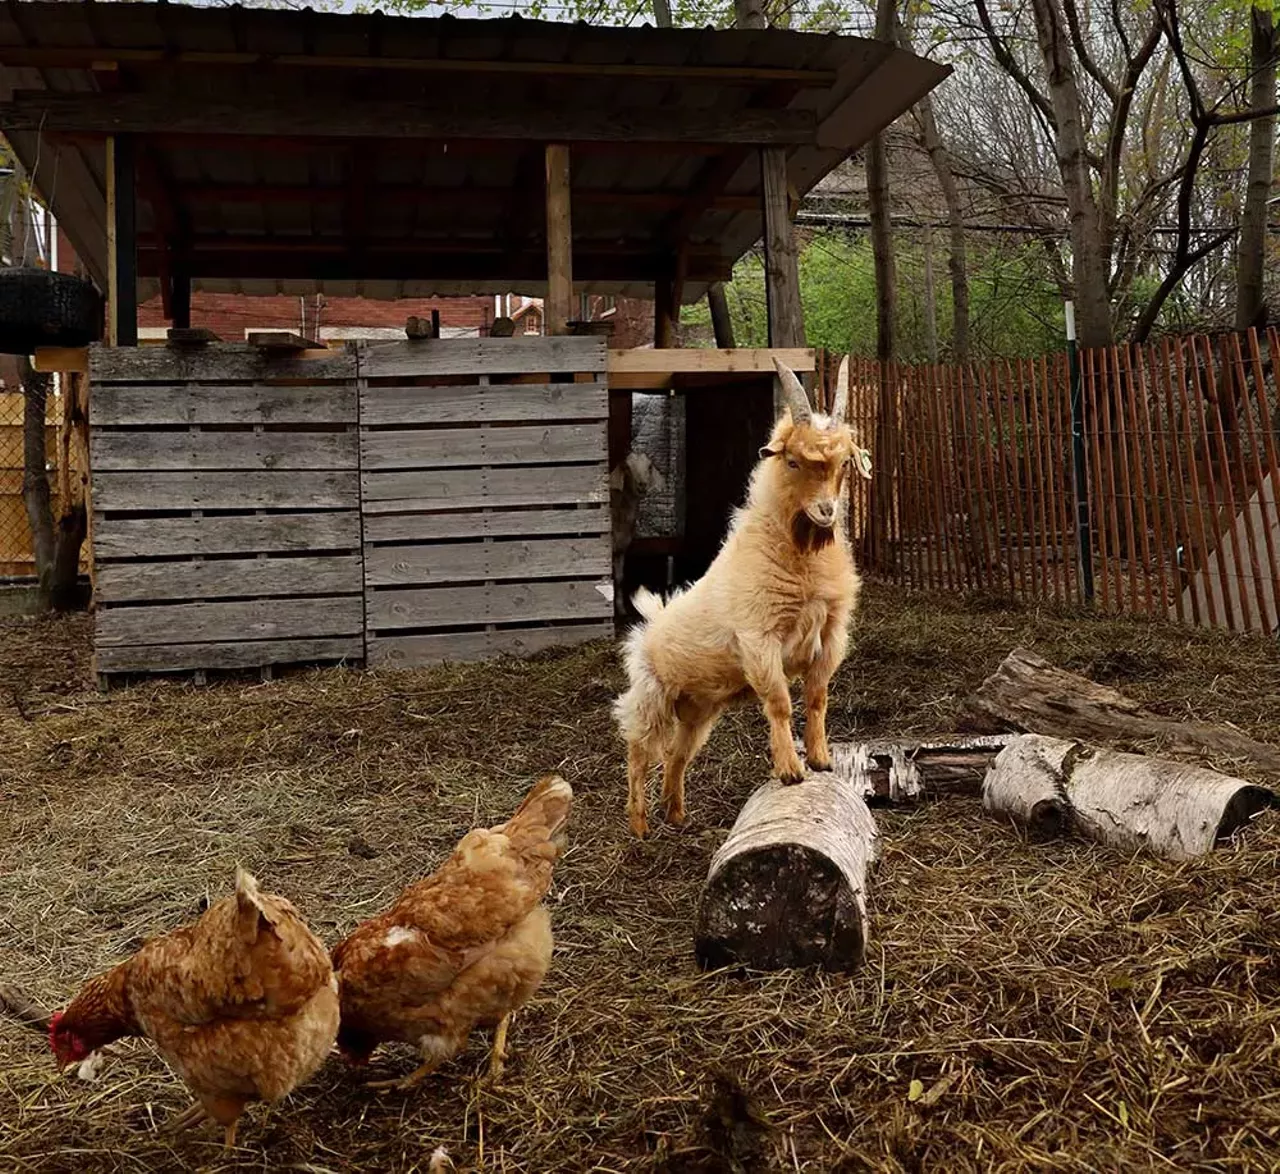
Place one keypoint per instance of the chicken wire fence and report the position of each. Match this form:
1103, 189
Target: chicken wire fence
17, 558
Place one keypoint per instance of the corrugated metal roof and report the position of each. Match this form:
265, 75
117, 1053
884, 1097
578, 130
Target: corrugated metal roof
364, 214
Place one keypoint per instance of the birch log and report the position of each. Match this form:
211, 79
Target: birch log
1028, 694
910, 771
788, 887
1130, 801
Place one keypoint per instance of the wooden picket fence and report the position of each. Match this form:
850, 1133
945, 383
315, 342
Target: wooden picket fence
973, 488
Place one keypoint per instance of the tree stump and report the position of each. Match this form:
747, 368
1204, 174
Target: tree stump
1028, 694
1170, 809
788, 887
910, 771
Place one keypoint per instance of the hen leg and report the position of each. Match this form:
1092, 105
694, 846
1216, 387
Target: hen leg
404, 1083
435, 1050
499, 1054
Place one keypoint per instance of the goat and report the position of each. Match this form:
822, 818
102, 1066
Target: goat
628, 483
775, 604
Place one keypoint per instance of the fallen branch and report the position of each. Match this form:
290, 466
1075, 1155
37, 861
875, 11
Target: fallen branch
20, 1006
906, 771
1050, 785
1027, 694
788, 887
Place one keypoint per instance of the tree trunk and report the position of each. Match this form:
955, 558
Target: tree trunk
930, 301
879, 533
1088, 248
721, 323
35, 478
749, 14
1048, 786
788, 887
1027, 694
662, 13
1262, 134
958, 261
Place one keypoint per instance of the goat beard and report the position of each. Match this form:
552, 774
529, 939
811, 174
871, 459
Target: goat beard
808, 536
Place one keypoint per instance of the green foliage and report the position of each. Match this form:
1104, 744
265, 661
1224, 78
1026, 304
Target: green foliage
1015, 308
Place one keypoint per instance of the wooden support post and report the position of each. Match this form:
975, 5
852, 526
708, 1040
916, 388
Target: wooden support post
788, 887
1170, 809
781, 265
122, 242
559, 304
721, 323
180, 299
668, 294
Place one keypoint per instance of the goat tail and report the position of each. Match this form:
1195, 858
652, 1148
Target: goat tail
644, 712
647, 603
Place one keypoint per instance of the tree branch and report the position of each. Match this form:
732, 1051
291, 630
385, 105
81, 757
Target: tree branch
1004, 57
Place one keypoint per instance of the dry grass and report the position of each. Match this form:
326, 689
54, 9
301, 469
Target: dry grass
1062, 1007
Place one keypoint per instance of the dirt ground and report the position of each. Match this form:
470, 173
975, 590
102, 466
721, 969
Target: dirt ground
1062, 1007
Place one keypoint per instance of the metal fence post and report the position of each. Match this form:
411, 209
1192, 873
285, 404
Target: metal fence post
1079, 479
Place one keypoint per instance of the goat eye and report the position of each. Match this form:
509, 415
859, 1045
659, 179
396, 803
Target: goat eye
792, 464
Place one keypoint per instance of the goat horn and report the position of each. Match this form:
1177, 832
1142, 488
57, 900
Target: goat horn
793, 391
840, 409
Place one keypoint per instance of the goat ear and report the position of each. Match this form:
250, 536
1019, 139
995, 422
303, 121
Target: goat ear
618, 478
766, 452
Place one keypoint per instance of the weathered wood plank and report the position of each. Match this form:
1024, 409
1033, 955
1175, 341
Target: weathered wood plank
455, 562
196, 490
440, 607
282, 340
214, 363
256, 619
226, 578
484, 488
703, 361
410, 651
223, 450
135, 405
504, 524
237, 534
436, 448
482, 356
484, 403
152, 658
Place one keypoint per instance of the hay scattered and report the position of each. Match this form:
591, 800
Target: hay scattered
1023, 1007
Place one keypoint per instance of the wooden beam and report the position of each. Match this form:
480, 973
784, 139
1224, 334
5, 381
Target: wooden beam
282, 340
92, 56
180, 299
417, 194
164, 111
309, 262
697, 361
558, 308
53, 359
782, 272
122, 242
669, 293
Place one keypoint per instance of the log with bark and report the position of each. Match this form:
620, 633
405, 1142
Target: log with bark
788, 886
909, 771
1049, 786
20, 1006
1027, 694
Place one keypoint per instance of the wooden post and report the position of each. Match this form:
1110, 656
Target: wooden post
781, 266
122, 242
721, 323
668, 294
180, 299
559, 304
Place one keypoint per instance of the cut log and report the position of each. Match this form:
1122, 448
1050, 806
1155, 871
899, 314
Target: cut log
1170, 809
788, 887
909, 771
1027, 694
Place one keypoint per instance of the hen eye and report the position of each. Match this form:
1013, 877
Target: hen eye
792, 464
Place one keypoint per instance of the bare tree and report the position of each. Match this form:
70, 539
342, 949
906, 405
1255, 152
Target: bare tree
1263, 52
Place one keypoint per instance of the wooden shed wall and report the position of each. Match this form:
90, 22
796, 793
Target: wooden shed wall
389, 503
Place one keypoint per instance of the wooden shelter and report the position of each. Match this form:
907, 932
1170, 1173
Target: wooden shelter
265, 151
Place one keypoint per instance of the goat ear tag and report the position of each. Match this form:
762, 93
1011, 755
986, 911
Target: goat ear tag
864, 463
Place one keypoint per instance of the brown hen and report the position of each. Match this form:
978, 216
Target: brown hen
463, 948
243, 1004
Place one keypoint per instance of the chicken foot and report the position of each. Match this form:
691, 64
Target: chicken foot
499, 1054
404, 1083
193, 1115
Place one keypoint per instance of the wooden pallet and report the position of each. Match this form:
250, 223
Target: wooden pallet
226, 525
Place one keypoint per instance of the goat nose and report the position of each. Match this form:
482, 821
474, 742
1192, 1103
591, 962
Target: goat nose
826, 510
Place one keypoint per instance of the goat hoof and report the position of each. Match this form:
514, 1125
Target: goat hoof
675, 816
816, 763
639, 826
790, 780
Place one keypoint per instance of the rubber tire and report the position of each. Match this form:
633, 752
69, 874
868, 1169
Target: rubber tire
39, 308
